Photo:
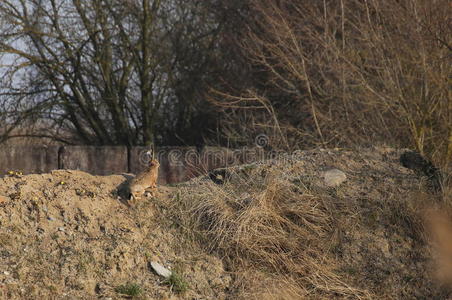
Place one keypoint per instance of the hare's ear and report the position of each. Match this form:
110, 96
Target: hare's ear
153, 151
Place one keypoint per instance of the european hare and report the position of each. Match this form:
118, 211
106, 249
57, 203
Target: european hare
146, 180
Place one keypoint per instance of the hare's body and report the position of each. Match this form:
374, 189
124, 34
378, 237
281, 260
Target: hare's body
146, 180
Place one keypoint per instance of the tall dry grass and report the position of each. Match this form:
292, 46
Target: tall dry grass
274, 234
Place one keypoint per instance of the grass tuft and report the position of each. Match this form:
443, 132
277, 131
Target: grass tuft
129, 289
177, 283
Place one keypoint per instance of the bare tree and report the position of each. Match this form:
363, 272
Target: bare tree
103, 71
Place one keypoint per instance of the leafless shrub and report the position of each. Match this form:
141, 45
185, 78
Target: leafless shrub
351, 72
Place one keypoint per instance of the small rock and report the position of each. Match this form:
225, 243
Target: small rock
100, 288
334, 177
160, 270
4, 200
6, 273
60, 228
50, 219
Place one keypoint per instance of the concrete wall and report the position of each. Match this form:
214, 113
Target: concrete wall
95, 160
177, 164
29, 159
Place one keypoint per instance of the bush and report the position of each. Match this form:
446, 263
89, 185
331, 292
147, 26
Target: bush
341, 73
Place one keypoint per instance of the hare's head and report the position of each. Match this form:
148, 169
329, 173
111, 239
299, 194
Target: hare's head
154, 163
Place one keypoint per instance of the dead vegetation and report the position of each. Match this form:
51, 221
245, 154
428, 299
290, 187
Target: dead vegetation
285, 235
345, 73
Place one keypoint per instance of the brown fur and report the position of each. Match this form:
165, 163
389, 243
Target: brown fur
146, 180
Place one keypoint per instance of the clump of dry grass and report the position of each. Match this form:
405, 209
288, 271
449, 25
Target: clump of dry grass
274, 231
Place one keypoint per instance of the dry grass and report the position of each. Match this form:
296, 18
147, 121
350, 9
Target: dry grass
275, 231
284, 236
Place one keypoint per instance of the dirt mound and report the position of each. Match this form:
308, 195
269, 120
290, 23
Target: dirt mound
66, 234
268, 230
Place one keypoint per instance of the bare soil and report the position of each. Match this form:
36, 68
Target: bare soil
65, 235
70, 235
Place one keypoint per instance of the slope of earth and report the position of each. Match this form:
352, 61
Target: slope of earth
268, 230
286, 234
65, 235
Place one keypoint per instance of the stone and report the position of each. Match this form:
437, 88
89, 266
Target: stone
334, 177
160, 270
4, 200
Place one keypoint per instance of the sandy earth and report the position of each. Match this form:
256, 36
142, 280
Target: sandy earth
68, 235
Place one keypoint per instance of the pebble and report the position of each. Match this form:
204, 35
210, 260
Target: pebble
60, 228
4, 200
160, 270
334, 177
6, 273
50, 219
